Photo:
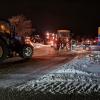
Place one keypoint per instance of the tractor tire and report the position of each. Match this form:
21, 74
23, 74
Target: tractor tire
3, 51
26, 52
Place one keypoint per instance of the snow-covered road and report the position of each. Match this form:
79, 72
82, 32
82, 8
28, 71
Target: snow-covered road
79, 75
17, 71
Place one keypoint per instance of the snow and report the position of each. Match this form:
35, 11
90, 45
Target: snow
72, 71
39, 45
79, 75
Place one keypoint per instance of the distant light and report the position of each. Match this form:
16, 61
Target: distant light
94, 41
53, 34
2, 27
47, 33
88, 41
53, 37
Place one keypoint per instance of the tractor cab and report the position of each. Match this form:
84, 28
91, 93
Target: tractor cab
6, 29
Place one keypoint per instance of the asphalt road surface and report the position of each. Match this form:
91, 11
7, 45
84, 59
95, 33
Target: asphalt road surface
16, 71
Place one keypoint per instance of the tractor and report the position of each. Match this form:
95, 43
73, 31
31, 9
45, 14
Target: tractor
63, 40
11, 43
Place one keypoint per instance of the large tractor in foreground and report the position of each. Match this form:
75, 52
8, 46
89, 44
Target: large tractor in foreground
11, 43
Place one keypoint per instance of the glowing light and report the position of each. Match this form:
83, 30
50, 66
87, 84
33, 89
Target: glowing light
2, 27
53, 34
98, 30
47, 37
94, 41
88, 41
47, 33
53, 37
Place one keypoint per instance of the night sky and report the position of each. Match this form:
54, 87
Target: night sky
82, 18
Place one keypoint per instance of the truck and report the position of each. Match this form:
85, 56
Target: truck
11, 43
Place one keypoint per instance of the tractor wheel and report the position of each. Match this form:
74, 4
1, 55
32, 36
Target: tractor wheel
3, 51
26, 52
